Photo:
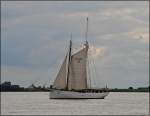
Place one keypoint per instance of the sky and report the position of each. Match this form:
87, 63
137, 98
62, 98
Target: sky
35, 38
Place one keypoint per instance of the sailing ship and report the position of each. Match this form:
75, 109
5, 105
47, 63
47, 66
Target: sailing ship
71, 80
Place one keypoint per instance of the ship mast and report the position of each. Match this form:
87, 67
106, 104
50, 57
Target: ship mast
70, 49
69, 60
87, 47
86, 34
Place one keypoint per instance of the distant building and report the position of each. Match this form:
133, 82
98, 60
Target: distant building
7, 86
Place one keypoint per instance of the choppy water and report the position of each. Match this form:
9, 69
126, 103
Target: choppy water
38, 103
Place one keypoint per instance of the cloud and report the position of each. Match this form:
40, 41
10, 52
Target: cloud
141, 34
35, 38
128, 13
121, 12
96, 52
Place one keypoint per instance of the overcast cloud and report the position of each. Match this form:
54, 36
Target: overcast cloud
35, 38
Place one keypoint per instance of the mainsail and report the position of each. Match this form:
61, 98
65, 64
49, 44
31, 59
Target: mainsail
60, 81
76, 77
77, 67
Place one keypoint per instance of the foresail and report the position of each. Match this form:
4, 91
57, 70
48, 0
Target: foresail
60, 81
78, 75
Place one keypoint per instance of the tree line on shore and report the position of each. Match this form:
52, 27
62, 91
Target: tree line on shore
8, 87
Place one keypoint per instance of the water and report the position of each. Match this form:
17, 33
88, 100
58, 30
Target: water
38, 103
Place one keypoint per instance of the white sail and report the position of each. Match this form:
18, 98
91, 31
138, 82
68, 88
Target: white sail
60, 81
77, 69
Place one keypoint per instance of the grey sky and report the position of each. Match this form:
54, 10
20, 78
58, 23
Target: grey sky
35, 38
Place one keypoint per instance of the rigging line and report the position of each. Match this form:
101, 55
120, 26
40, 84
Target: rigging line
94, 66
94, 73
95, 70
89, 73
93, 62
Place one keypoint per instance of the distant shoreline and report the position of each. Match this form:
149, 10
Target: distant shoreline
109, 91
118, 90
8, 87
